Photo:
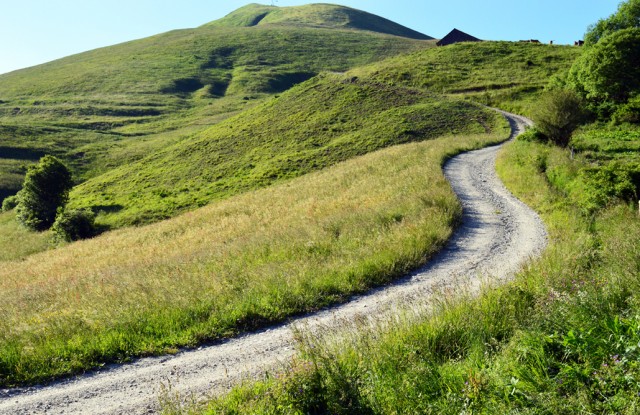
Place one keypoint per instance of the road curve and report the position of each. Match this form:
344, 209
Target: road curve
497, 236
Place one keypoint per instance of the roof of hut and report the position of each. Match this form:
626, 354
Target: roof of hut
456, 36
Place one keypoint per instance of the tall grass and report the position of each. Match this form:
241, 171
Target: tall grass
232, 266
562, 338
17, 242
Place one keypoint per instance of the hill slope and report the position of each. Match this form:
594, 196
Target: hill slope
509, 75
109, 106
326, 120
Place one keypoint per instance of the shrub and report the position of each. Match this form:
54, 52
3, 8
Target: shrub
9, 203
532, 135
628, 113
609, 72
74, 224
45, 190
558, 113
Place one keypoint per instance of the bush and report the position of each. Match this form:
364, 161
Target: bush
609, 72
532, 135
74, 224
599, 186
558, 113
45, 190
628, 113
9, 203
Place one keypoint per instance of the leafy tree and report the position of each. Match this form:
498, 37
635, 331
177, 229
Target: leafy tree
609, 72
627, 16
557, 114
45, 189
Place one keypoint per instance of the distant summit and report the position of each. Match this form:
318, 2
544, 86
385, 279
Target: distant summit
315, 15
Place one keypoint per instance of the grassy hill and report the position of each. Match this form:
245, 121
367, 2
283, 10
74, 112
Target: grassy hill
109, 106
326, 120
509, 75
315, 15
277, 130
301, 131
314, 183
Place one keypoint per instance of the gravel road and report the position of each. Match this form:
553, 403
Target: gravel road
497, 236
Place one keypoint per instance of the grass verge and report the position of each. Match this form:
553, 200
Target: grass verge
232, 266
562, 338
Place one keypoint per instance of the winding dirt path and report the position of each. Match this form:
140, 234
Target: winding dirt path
497, 236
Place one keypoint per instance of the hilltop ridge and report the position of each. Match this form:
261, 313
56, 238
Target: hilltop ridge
319, 15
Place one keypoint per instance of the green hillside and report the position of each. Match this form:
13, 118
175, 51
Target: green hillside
309, 138
509, 75
562, 337
326, 120
109, 106
315, 15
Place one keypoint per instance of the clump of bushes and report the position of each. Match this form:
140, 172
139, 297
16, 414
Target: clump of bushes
40, 205
74, 224
628, 113
9, 203
596, 187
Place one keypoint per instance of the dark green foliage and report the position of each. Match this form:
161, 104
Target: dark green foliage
627, 16
9, 203
532, 134
558, 113
608, 73
628, 113
612, 170
74, 224
601, 185
45, 189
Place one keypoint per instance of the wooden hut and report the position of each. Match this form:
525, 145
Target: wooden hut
457, 36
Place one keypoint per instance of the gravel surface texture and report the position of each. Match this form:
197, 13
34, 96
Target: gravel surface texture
498, 235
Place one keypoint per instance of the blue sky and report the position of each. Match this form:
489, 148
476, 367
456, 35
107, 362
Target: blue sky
37, 31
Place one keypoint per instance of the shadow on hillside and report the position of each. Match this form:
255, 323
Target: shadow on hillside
20, 153
5, 193
97, 209
282, 82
